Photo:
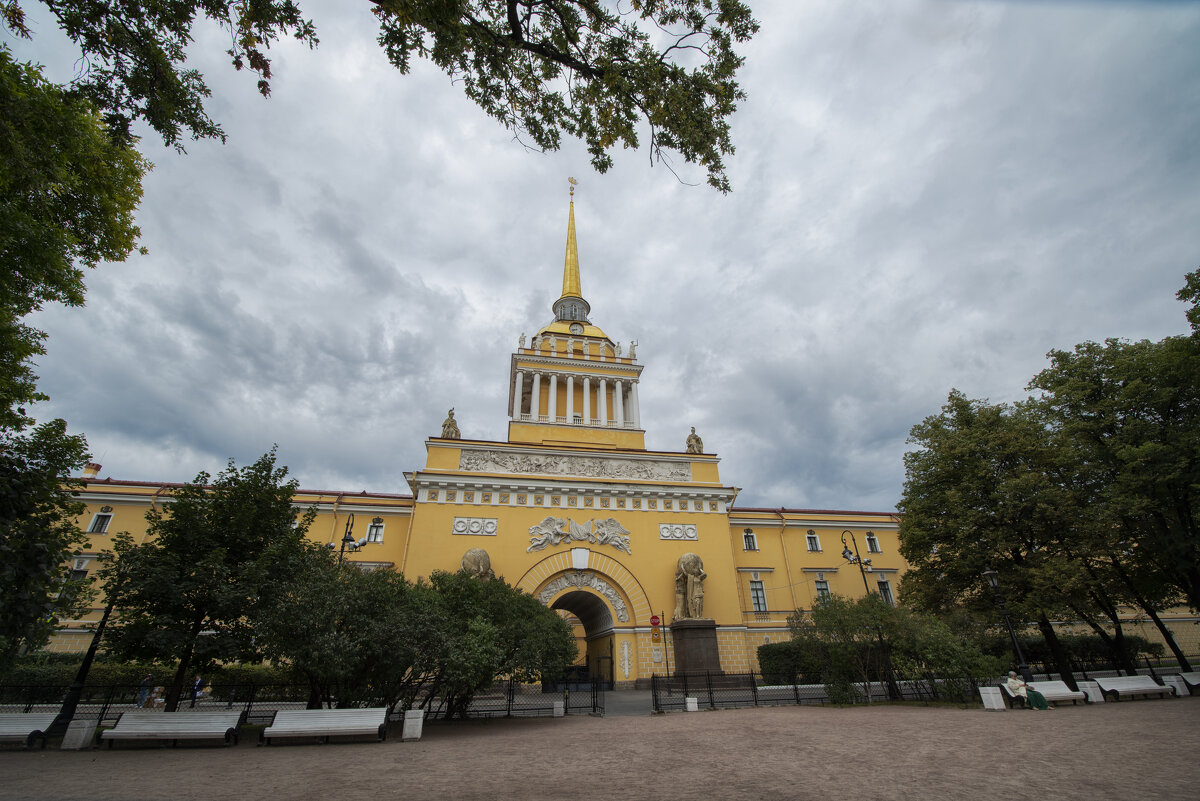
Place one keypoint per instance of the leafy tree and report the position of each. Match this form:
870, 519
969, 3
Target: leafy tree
542, 68
216, 551
37, 535
491, 630
67, 196
369, 634
983, 489
1128, 411
848, 633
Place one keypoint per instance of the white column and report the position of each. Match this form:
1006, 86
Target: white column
587, 401
635, 405
553, 404
619, 402
570, 399
601, 401
535, 400
517, 390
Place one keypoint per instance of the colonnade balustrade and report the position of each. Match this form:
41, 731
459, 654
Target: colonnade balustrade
597, 393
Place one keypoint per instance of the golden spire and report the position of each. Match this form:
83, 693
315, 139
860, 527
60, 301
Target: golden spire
571, 286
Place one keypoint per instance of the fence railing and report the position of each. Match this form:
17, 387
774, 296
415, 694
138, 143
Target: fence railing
260, 702
725, 690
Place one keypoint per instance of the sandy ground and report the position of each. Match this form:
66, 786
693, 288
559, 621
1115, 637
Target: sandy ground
1145, 749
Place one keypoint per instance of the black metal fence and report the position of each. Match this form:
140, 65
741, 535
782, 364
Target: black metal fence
724, 690
260, 702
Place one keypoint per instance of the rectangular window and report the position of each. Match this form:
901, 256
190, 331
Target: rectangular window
375, 532
885, 592
814, 543
822, 590
749, 542
872, 543
758, 596
99, 524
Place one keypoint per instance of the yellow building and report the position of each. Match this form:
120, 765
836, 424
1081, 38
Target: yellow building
574, 509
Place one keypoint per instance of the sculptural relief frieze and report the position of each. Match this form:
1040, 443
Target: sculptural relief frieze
580, 579
478, 526
557, 530
492, 461
666, 531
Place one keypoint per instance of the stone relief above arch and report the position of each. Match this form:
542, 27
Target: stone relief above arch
581, 579
598, 532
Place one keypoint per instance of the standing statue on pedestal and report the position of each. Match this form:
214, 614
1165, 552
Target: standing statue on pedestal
694, 443
689, 587
521, 341
450, 427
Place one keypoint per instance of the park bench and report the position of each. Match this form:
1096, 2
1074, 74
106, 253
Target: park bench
1054, 691
174, 726
1192, 680
26, 726
1128, 686
326, 723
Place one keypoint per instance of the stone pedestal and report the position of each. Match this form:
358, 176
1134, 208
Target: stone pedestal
414, 723
80, 735
695, 644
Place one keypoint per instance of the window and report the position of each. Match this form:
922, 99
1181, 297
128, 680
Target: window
100, 523
758, 596
375, 530
872, 543
814, 542
885, 592
822, 589
748, 541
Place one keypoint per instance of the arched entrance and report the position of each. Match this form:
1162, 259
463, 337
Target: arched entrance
602, 600
594, 622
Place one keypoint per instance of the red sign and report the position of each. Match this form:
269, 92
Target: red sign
654, 620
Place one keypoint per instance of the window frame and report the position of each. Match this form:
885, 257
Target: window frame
822, 588
98, 527
749, 541
873, 543
883, 584
375, 532
758, 596
813, 539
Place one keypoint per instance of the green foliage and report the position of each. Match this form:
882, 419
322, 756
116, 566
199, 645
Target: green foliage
490, 630
37, 534
215, 552
67, 197
592, 71
379, 638
850, 643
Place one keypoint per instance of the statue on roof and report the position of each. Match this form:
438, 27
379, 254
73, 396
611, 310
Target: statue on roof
521, 341
694, 443
450, 427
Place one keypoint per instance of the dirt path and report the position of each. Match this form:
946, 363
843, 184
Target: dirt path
1134, 749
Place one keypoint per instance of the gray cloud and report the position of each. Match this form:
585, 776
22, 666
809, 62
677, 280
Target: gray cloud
927, 195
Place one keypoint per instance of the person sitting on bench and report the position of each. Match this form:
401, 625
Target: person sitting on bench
1033, 699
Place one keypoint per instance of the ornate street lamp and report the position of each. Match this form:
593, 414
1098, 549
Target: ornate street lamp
855, 559
348, 541
993, 579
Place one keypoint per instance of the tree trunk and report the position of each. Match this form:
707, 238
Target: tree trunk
1167, 635
185, 662
1061, 660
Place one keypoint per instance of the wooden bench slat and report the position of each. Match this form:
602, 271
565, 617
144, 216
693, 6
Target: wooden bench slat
25, 726
190, 725
326, 723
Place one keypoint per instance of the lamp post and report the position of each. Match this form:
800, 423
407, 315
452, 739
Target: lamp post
855, 559
993, 579
348, 540
863, 564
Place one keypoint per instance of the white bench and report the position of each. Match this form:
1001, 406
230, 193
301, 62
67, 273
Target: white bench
1128, 686
1192, 680
1054, 691
174, 726
26, 726
326, 723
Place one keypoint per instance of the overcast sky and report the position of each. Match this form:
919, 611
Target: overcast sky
927, 195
